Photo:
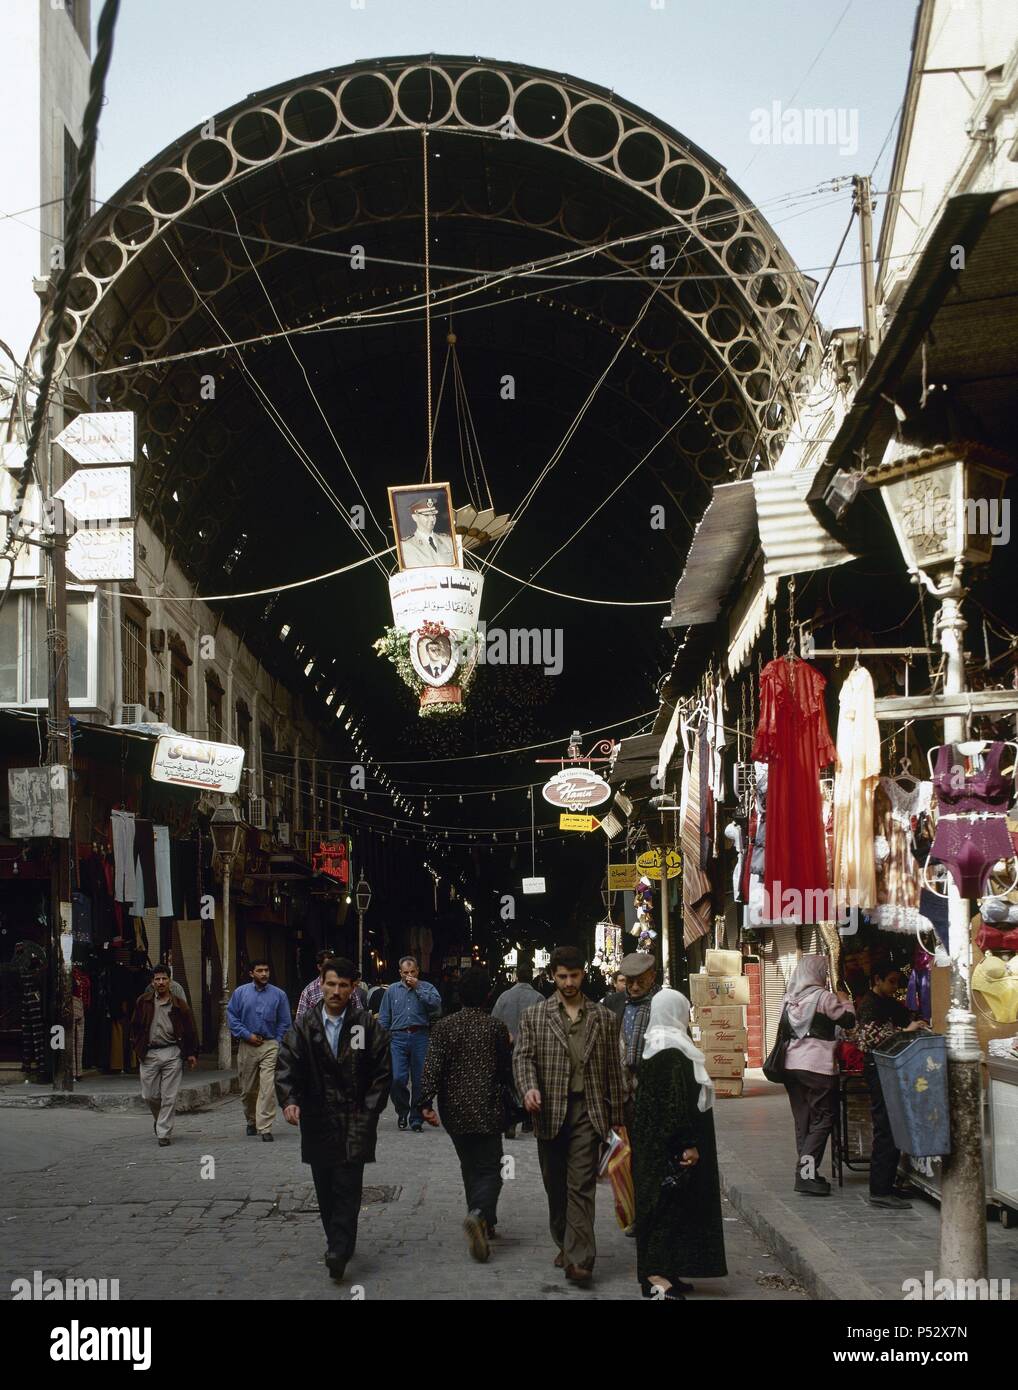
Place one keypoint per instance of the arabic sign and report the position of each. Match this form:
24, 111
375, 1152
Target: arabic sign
190, 762
436, 594
38, 802
622, 876
333, 858
568, 821
98, 494
103, 552
650, 863
533, 885
575, 787
101, 437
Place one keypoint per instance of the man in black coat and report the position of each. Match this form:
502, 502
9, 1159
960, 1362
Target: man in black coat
332, 1078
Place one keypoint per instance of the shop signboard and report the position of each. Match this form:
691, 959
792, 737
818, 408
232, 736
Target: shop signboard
533, 885
570, 821
622, 877
190, 762
101, 552
650, 863
575, 788
333, 858
102, 436
98, 494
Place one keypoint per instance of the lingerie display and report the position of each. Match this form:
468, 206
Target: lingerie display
854, 874
971, 833
697, 906
896, 813
792, 737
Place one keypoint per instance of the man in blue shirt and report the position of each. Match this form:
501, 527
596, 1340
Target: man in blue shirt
259, 1016
409, 1007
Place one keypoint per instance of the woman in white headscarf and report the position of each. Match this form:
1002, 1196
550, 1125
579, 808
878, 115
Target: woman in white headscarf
811, 1013
679, 1230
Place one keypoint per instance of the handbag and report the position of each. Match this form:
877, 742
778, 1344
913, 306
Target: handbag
774, 1063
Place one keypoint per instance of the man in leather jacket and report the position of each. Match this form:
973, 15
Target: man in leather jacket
332, 1078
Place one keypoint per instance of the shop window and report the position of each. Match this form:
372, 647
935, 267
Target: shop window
24, 657
214, 708
133, 656
179, 663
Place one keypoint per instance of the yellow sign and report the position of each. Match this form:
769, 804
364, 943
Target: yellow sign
650, 863
622, 877
570, 821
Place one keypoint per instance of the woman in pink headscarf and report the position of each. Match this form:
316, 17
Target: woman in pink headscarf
809, 1016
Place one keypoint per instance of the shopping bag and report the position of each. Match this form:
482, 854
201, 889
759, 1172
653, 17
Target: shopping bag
620, 1174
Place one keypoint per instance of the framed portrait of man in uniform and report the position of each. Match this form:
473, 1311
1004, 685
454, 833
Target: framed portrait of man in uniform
422, 521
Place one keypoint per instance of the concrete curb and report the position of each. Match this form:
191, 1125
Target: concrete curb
819, 1269
194, 1097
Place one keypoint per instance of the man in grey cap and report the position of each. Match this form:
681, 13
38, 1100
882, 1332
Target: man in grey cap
640, 970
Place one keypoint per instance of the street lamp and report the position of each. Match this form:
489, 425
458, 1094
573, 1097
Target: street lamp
228, 840
362, 897
944, 503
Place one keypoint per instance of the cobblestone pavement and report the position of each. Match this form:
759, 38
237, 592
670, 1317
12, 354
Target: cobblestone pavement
91, 1195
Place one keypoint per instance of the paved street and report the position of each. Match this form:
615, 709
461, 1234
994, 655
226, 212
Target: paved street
90, 1195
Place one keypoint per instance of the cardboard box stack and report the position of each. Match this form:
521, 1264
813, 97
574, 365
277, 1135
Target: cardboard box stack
719, 998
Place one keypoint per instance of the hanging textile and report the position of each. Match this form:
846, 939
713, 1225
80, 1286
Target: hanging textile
793, 739
696, 890
895, 814
855, 879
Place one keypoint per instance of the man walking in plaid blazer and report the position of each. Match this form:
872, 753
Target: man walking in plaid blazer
568, 1070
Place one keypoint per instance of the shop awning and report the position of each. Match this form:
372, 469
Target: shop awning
635, 760
792, 539
716, 555
956, 326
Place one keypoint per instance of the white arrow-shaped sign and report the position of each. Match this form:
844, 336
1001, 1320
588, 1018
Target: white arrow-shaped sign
101, 552
101, 437
98, 494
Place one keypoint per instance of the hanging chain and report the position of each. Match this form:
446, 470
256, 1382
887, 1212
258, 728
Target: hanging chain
791, 615
744, 724
774, 629
427, 296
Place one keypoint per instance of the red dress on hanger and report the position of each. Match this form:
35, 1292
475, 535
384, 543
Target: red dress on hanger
793, 739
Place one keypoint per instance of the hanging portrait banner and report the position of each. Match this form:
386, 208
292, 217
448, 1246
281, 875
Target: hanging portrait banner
436, 594
433, 657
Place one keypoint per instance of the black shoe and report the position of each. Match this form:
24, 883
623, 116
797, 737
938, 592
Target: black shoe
252, 1130
888, 1199
266, 1138
336, 1264
401, 1123
164, 1143
416, 1129
812, 1187
477, 1236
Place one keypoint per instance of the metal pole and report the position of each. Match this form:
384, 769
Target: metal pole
59, 754
225, 1044
360, 942
666, 945
863, 202
963, 1182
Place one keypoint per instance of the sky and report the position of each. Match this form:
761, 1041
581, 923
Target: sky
704, 68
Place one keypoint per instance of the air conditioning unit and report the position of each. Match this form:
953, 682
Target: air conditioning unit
134, 714
258, 812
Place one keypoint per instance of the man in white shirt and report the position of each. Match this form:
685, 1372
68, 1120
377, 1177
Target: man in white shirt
425, 547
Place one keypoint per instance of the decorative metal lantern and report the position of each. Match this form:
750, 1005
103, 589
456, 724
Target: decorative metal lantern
945, 502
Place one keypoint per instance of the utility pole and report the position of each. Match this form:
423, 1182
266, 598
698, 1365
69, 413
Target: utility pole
862, 201
963, 1181
59, 756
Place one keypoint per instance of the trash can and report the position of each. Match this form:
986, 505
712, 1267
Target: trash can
913, 1077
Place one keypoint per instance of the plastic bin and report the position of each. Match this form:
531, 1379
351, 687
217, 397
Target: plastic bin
913, 1077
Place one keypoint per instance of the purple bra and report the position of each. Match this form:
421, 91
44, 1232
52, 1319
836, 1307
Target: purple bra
972, 807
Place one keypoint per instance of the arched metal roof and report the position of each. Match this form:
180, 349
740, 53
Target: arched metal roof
244, 227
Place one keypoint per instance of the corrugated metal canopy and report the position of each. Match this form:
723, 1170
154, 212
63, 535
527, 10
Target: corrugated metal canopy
636, 759
718, 548
792, 539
